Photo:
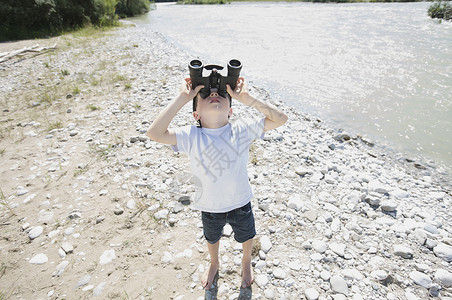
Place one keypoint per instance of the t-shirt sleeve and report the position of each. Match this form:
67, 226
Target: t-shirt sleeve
183, 139
253, 127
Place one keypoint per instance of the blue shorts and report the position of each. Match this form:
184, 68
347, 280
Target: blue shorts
241, 220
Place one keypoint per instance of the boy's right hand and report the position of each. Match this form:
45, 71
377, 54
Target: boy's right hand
187, 91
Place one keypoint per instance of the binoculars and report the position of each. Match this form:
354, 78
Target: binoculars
214, 80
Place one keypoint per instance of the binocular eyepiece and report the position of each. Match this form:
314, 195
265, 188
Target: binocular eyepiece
214, 80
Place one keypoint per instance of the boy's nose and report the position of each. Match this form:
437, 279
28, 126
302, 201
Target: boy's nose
213, 94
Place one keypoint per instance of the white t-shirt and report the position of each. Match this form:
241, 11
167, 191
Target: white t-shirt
218, 162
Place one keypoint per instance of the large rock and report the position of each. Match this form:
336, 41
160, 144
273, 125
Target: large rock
443, 251
421, 279
266, 244
444, 277
339, 285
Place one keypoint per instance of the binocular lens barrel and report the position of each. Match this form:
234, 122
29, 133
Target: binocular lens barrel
195, 67
234, 67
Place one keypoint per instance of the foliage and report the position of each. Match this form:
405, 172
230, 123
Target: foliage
440, 10
132, 7
20, 19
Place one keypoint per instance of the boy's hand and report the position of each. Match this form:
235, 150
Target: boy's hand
186, 90
241, 90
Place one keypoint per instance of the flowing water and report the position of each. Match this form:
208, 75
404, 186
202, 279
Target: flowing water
381, 70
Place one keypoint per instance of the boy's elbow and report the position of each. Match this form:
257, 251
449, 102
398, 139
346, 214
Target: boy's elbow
282, 119
152, 134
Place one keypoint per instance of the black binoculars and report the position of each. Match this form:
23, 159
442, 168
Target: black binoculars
214, 80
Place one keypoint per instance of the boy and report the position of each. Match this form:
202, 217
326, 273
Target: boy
218, 152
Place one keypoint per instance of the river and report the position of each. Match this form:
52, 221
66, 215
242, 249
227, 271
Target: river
382, 70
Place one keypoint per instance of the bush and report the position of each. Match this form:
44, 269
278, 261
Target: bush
440, 10
20, 19
132, 8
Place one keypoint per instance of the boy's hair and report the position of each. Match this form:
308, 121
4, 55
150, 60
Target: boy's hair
195, 103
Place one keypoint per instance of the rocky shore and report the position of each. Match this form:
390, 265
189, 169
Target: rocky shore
90, 207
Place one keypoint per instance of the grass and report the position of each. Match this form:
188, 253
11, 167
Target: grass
102, 152
4, 203
92, 107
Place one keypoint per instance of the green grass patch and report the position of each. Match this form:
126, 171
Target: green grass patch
92, 107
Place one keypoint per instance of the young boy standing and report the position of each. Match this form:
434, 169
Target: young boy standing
218, 152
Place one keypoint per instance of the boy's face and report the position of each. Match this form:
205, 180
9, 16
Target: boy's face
212, 109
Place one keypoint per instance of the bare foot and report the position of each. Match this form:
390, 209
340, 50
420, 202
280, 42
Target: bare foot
209, 276
247, 276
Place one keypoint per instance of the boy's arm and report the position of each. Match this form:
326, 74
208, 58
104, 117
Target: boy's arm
158, 131
273, 116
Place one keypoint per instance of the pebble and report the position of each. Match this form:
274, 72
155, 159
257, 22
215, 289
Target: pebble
35, 232
107, 257
261, 280
279, 273
443, 251
421, 279
403, 251
339, 285
311, 294
266, 244
67, 247
83, 281
161, 214
39, 259
444, 277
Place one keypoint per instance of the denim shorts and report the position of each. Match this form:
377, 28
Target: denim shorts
241, 220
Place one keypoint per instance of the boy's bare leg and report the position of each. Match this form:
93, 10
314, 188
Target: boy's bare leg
247, 272
214, 264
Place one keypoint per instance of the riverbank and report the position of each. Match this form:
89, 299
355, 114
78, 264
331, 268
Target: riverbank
91, 207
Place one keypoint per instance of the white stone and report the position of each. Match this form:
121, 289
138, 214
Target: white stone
319, 246
261, 280
60, 268
379, 274
161, 214
388, 205
103, 192
107, 257
83, 281
403, 251
167, 257
266, 244
67, 247
98, 290
39, 259
443, 251
444, 277
339, 285
35, 232
279, 273
45, 217
295, 202
131, 204
400, 194
311, 294
338, 248
227, 230
69, 230
325, 275
352, 274
411, 296
421, 279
